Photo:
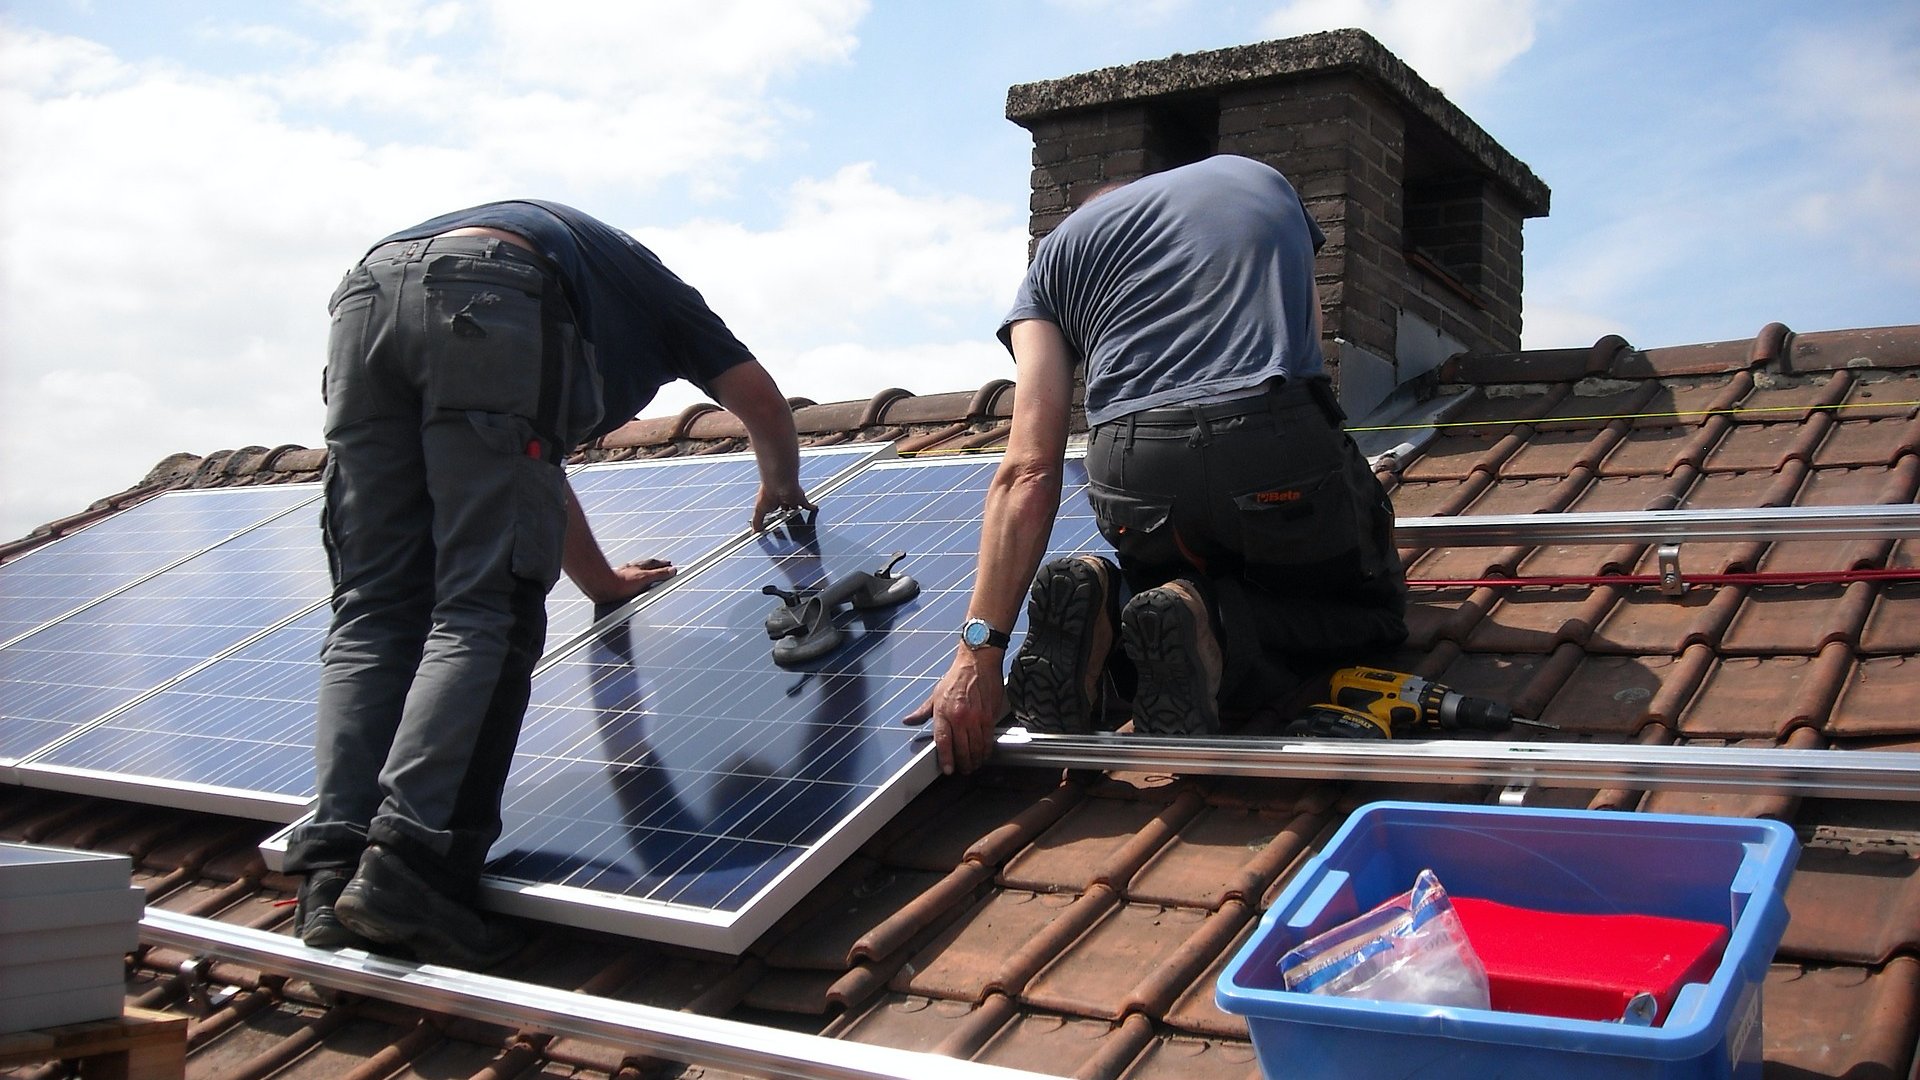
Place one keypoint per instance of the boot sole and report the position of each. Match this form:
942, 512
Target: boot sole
1158, 632
1046, 688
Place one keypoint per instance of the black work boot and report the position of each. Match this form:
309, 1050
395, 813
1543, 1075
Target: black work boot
1054, 684
1168, 635
391, 904
313, 915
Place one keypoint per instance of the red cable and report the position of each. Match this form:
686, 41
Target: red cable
1804, 577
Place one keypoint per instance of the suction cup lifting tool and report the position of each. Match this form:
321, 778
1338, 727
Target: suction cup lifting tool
802, 626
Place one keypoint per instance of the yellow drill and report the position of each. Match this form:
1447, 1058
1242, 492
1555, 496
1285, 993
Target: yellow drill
1373, 703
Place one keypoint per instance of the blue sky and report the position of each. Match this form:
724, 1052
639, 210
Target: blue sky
182, 184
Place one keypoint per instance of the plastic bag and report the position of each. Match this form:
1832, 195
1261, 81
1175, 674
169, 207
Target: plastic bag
1411, 948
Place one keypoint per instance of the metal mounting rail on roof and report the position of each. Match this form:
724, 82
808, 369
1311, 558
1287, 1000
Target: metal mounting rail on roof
676, 1036
1839, 774
1647, 526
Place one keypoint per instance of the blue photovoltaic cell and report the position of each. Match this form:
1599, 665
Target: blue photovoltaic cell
670, 762
677, 509
68, 573
67, 675
243, 725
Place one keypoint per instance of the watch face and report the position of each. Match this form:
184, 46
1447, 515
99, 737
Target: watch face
974, 632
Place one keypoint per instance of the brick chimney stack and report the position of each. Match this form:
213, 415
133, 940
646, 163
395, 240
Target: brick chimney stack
1422, 209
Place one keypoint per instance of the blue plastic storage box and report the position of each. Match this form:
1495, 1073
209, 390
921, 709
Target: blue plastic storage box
1732, 871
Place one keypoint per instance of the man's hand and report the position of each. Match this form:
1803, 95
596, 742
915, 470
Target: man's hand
631, 579
775, 498
964, 709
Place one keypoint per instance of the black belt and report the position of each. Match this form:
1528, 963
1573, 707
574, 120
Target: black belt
408, 249
1280, 394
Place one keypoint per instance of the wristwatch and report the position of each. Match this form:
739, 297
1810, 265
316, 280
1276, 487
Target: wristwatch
980, 634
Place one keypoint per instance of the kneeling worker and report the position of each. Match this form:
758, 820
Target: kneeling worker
1254, 541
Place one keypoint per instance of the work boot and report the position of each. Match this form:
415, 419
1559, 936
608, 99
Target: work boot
313, 914
391, 904
1168, 635
1054, 685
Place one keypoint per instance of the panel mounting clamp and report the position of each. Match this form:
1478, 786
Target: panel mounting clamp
1671, 583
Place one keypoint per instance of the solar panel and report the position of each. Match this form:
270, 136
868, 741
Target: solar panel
73, 571
64, 676
674, 782
236, 735
677, 509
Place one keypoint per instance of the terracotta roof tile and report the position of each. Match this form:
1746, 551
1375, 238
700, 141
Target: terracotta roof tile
1609, 695
1691, 401
837, 418
931, 409
1681, 360
1416, 499
1893, 626
1867, 441
1177, 1057
1842, 1021
1223, 853
1761, 697
1878, 395
1878, 698
1855, 350
1594, 404
1781, 619
993, 949
904, 1021
1060, 1045
1854, 903
827, 941
1099, 975
1538, 620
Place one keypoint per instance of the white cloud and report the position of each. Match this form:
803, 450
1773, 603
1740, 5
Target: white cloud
1852, 96
1457, 45
847, 371
170, 237
1549, 326
853, 258
614, 46
1138, 12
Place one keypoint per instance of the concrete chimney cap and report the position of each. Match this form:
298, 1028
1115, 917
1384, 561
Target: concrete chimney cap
1192, 74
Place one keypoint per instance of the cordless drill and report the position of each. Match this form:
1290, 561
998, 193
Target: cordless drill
1373, 703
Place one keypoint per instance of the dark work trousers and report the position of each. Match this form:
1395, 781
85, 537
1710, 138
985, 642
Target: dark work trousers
1267, 505
449, 368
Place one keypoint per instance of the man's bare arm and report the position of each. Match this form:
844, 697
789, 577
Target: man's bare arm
1020, 508
748, 392
587, 566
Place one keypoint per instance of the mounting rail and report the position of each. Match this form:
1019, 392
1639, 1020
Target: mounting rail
676, 1036
1869, 522
1836, 774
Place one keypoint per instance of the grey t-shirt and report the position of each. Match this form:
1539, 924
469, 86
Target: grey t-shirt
1183, 285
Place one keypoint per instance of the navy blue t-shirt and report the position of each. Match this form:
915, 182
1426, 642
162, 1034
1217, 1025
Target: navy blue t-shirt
1188, 284
647, 327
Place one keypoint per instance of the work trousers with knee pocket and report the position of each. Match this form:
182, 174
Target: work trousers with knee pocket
1265, 503
455, 382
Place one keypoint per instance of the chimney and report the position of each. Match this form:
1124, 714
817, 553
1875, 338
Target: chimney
1422, 209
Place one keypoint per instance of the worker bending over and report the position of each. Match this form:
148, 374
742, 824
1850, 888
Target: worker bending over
468, 355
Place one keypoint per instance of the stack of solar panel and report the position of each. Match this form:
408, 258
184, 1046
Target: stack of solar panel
67, 921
